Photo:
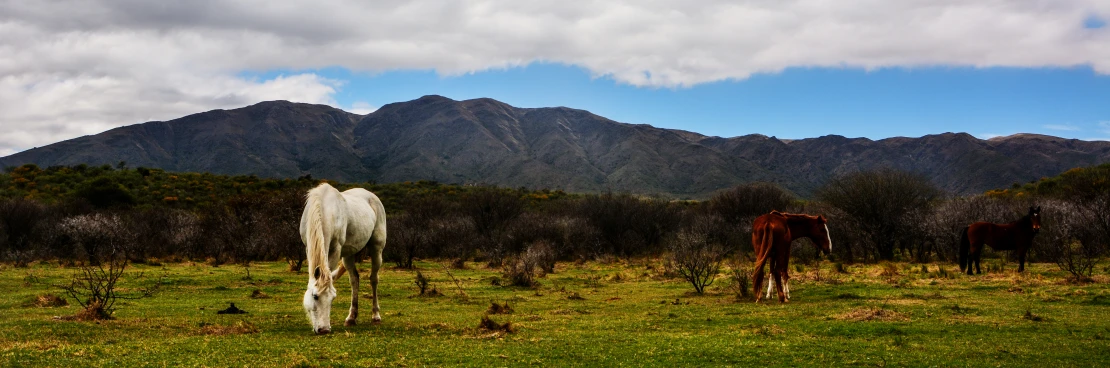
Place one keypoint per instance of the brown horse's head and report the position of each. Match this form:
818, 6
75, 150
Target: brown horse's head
1035, 217
819, 233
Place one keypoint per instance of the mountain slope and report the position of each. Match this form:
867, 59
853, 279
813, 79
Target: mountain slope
487, 141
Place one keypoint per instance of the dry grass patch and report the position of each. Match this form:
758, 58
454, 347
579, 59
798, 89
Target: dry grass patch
48, 301
239, 328
495, 308
872, 314
490, 325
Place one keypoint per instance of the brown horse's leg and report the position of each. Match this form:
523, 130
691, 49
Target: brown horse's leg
1021, 260
761, 242
978, 258
777, 273
972, 250
757, 278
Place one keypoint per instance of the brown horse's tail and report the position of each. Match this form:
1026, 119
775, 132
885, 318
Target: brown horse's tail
965, 247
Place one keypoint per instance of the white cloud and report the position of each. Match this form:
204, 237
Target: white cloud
361, 108
72, 67
1064, 127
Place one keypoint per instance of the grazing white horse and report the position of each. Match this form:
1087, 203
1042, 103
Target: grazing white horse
337, 225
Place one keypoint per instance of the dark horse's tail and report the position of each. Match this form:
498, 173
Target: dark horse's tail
965, 247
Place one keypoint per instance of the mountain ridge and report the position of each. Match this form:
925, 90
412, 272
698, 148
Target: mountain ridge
488, 141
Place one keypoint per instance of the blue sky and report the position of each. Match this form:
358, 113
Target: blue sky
797, 103
790, 68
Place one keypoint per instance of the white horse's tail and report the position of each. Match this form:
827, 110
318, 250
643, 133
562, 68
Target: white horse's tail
317, 246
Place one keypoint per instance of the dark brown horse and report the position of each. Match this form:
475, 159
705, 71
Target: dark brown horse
771, 237
1017, 235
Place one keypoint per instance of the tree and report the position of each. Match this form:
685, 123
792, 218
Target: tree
882, 202
745, 202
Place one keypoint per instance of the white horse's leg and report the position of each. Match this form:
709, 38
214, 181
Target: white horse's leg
350, 265
770, 283
375, 264
786, 285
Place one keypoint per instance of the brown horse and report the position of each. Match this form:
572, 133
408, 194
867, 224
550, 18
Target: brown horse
771, 237
1017, 235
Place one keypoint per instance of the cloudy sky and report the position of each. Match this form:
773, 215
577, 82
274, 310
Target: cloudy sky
793, 69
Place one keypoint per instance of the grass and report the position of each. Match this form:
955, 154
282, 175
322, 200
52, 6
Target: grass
618, 313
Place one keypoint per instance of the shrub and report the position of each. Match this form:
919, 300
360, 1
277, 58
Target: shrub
1072, 238
745, 202
423, 283
541, 254
882, 202
521, 271
94, 286
21, 225
695, 256
741, 275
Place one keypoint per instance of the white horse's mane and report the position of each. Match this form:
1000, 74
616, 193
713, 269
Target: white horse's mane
317, 248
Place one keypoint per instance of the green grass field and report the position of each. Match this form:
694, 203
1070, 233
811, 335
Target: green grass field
625, 313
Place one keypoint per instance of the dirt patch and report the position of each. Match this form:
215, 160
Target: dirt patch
239, 328
872, 314
92, 312
258, 294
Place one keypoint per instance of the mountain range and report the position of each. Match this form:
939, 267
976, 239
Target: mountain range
490, 142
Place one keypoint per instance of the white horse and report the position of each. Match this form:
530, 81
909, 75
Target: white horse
337, 225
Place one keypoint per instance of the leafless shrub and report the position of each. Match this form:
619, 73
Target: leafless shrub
745, 202
521, 271
628, 225
1071, 237
694, 255
881, 202
99, 234
94, 286
21, 223
541, 254
423, 282
741, 275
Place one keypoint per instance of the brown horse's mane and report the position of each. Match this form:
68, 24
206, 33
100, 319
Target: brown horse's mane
794, 216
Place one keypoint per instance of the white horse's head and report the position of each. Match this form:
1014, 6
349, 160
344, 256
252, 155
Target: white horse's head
317, 301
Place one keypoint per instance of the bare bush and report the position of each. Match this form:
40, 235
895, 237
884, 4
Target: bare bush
741, 274
94, 285
1072, 238
98, 235
21, 223
491, 211
521, 271
695, 256
542, 255
881, 202
628, 225
746, 202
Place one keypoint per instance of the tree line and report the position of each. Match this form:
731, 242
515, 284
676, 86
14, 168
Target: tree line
71, 213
